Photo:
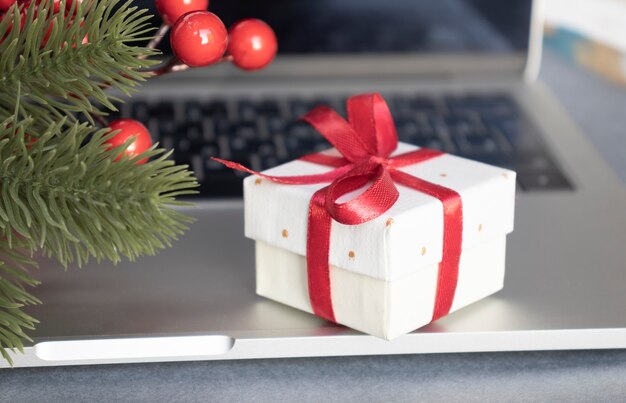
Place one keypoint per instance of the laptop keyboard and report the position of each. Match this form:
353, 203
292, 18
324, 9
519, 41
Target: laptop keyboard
266, 132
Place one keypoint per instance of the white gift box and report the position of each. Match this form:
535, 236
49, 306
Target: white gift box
383, 273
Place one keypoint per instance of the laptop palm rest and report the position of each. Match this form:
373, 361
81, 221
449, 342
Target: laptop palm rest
197, 301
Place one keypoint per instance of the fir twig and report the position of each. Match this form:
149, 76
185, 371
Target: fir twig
61, 191
66, 195
14, 276
64, 75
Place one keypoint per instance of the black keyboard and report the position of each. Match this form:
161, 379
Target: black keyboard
266, 132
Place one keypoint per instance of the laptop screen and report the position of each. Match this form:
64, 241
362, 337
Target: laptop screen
389, 26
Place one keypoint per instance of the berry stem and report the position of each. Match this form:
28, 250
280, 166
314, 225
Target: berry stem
156, 40
175, 65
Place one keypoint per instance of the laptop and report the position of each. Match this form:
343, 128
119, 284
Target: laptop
459, 75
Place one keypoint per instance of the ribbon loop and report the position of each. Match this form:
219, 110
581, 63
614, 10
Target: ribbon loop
374, 201
370, 117
338, 132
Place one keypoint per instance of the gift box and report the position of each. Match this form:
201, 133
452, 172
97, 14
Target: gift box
380, 236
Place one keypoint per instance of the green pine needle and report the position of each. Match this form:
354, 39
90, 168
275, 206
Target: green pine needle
65, 75
14, 276
61, 192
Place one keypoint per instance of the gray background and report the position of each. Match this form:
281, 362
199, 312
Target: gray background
600, 109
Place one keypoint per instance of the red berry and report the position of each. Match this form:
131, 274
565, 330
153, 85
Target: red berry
6, 4
172, 10
253, 44
130, 128
199, 38
46, 37
85, 39
29, 141
22, 18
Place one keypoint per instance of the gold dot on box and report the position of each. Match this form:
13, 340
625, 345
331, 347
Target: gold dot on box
480, 227
285, 233
258, 181
351, 254
423, 252
505, 175
389, 222
443, 175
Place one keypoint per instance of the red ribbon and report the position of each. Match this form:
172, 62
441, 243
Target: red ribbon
366, 141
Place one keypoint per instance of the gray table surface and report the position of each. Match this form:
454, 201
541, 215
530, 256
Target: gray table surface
527, 376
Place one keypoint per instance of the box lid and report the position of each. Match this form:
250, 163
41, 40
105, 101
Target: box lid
406, 238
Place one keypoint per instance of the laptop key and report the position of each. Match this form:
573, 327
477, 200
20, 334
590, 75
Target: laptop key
188, 137
298, 108
477, 144
546, 180
246, 110
275, 124
267, 149
164, 110
140, 110
240, 145
435, 144
216, 109
193, 111
459, 124
209, 150
423, 104
222, 126
192, 131
268, 107
518, 135
161, 128
246, 130
270, 161
408, 130
301, 130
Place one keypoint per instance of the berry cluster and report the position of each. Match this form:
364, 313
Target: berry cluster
199, 37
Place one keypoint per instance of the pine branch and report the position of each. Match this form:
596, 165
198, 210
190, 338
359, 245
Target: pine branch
63, 74
66, 195
63, 195
61, 191
14, 266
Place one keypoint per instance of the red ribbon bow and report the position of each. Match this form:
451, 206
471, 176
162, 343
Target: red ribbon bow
366, 141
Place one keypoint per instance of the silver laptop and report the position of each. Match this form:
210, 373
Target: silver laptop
459, 75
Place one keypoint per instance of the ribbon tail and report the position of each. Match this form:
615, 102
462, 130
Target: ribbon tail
290, 180
325, 159
317, 253
452, 238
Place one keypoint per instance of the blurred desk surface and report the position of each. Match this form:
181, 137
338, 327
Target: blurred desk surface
600, 110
